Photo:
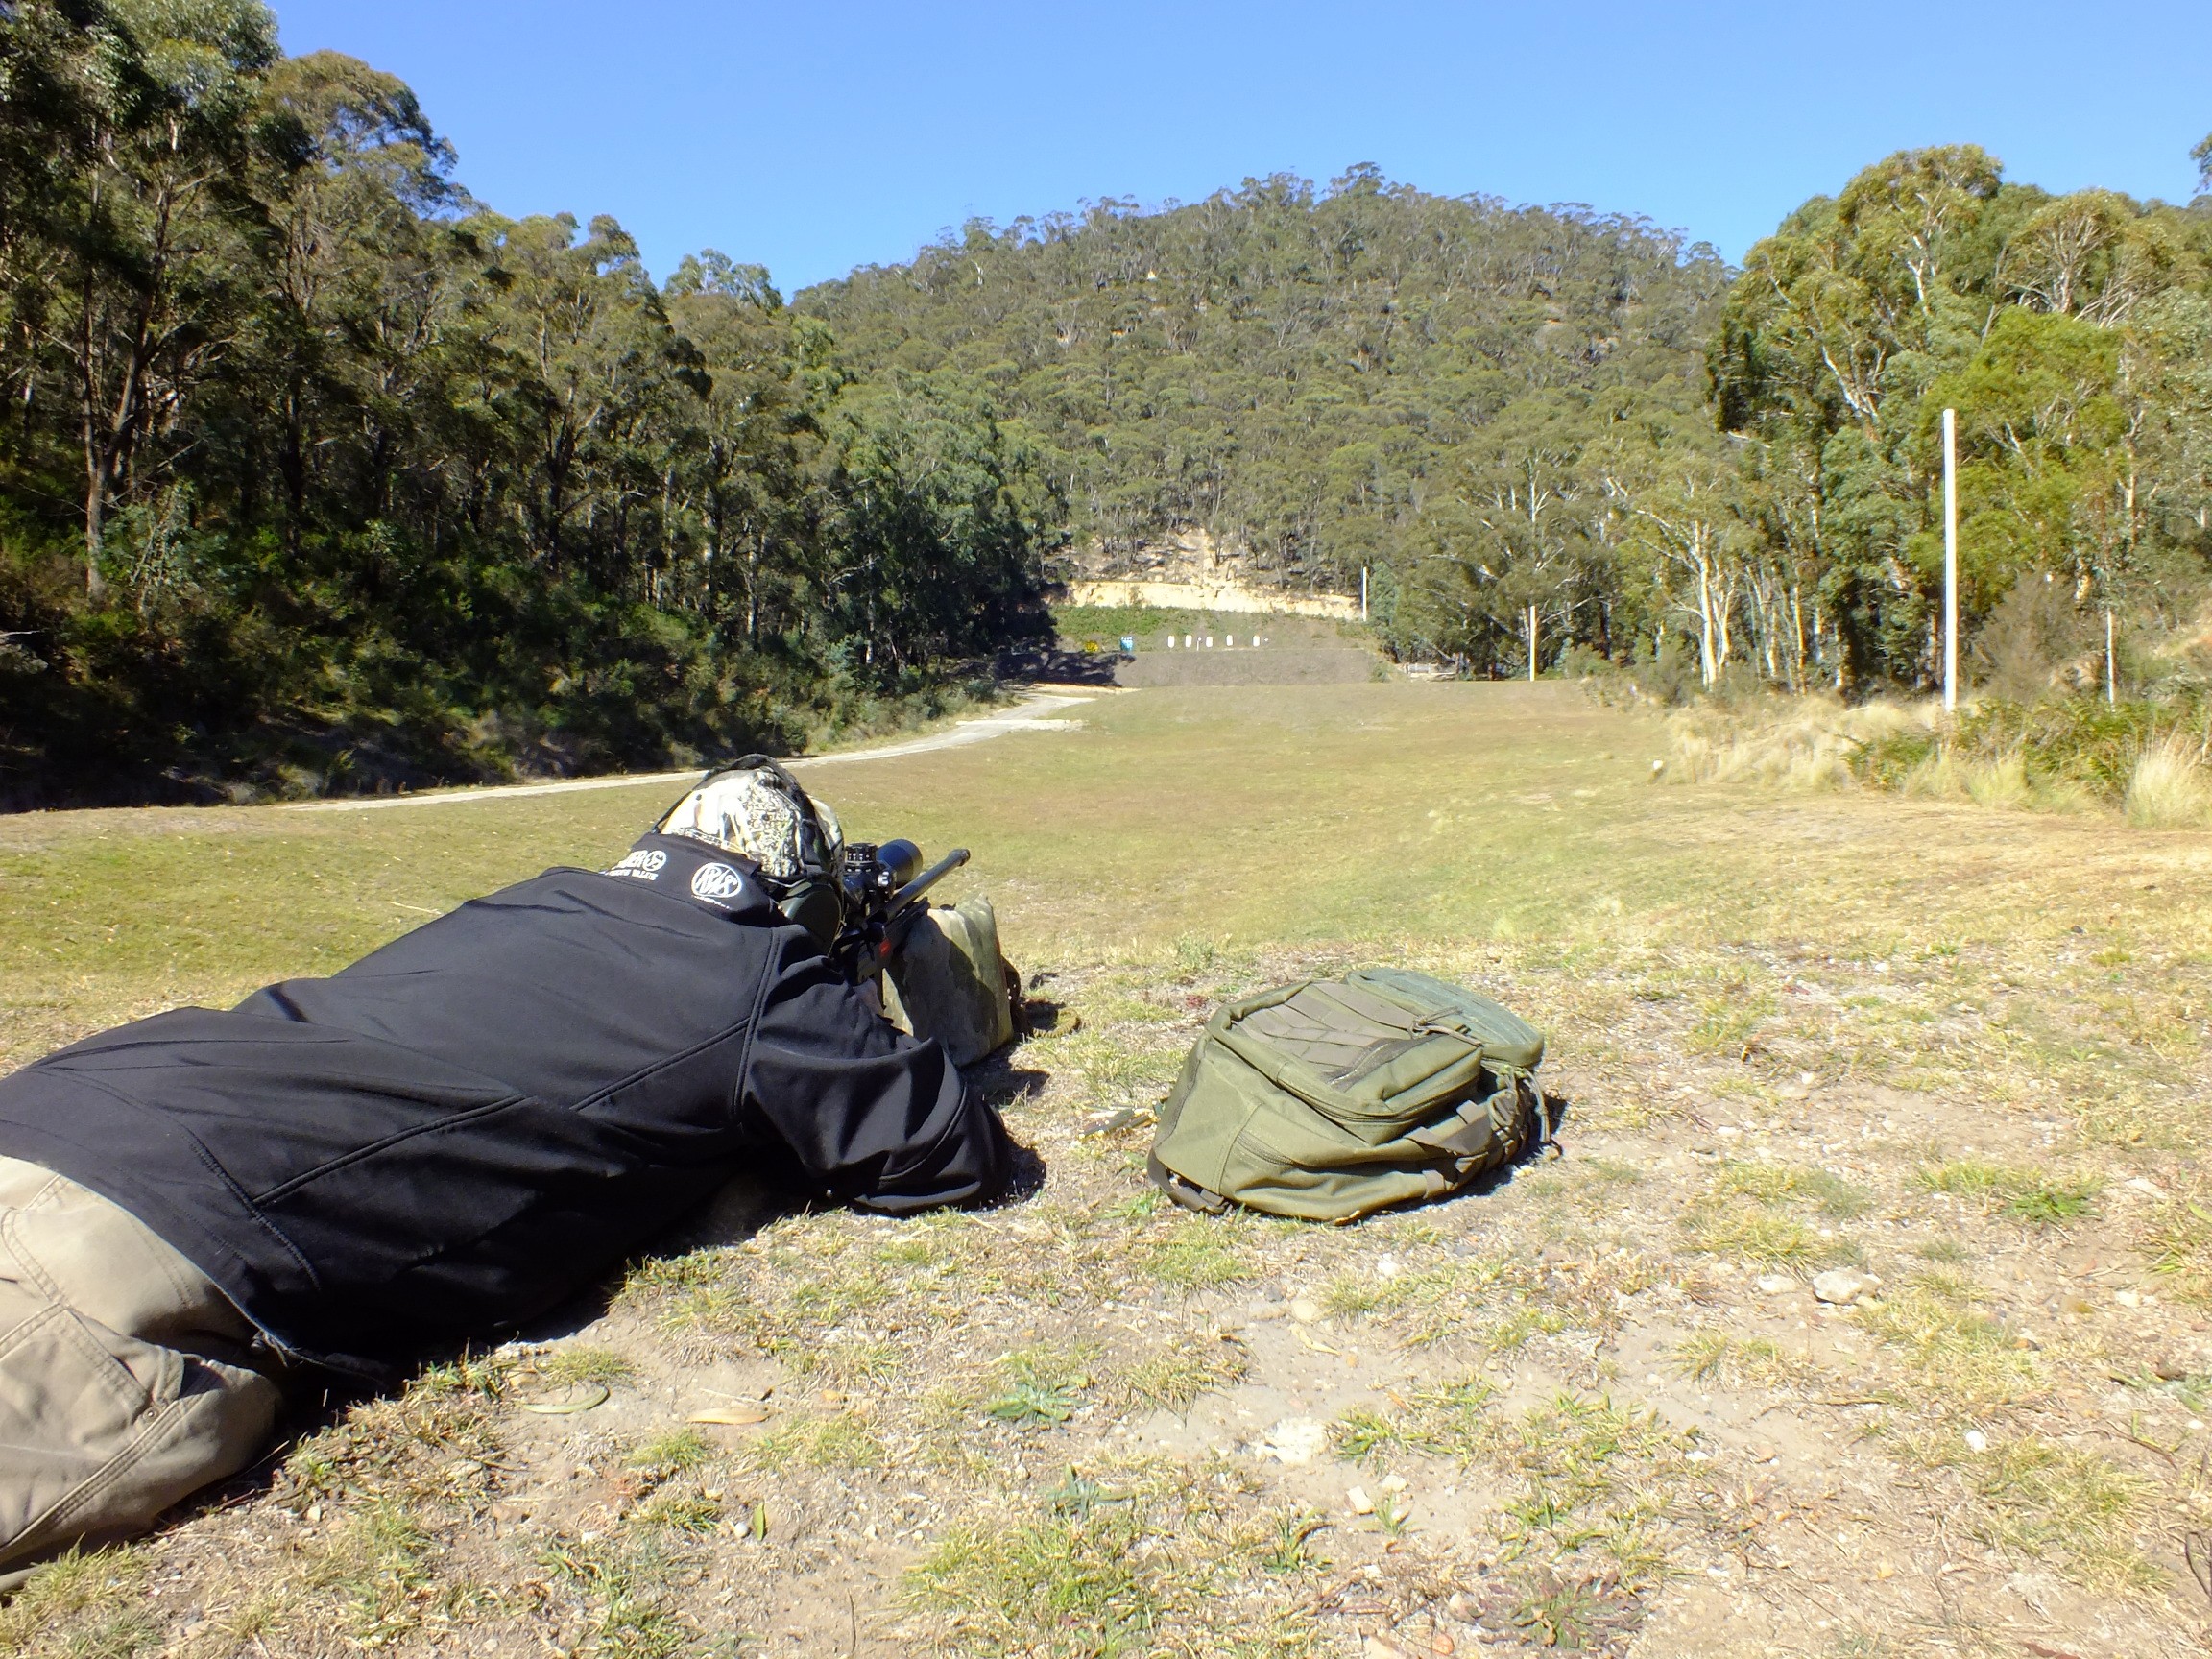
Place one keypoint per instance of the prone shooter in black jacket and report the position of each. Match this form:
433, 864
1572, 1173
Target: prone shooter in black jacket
444, 1139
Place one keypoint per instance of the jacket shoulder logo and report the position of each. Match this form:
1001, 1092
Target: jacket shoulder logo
716, 881
641, 866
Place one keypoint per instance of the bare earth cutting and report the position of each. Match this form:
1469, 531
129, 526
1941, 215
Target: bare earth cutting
1953, 1057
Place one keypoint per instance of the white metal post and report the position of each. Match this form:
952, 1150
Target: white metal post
1531, 645
2111, 678
1363, 592
1950, 561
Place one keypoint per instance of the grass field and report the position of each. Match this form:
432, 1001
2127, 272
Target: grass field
1958, 1052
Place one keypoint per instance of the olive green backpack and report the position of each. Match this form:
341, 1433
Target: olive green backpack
1330, 1098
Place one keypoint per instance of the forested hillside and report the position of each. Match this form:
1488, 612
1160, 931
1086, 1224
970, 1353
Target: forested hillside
1309, 374
1552, 424
317, 472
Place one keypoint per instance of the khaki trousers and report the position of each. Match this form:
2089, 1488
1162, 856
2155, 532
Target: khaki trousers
122, 1386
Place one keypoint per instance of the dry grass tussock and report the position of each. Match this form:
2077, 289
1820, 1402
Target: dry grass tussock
2158, 781
1799, 742
2170, 787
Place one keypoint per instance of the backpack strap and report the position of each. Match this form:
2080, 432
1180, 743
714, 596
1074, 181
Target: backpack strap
1188, 1194
1547, 1132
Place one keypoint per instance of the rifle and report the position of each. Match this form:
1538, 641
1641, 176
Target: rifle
884, 888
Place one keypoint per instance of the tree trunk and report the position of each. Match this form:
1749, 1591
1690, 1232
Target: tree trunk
96, 520
1797, 640
1706, 669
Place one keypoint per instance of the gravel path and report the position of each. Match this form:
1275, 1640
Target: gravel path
1030, 714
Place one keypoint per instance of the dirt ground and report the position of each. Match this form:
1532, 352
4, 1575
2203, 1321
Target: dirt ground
1861, 1313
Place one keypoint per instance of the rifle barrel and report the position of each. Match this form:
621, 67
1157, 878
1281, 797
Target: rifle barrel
927, 879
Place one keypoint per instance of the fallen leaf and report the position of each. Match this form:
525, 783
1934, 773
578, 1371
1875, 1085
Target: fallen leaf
732, 1417
580, 1398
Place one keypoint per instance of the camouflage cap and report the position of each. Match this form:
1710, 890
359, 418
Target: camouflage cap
744, 811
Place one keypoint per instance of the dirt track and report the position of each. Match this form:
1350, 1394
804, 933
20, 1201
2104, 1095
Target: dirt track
1244, 665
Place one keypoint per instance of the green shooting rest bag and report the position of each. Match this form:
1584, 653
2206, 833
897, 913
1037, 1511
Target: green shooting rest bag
1330, 1098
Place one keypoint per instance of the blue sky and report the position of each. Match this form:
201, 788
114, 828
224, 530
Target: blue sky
813, 138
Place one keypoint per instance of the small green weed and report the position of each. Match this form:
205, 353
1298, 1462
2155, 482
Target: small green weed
1078, 1494
1027, 1404
1288, 1551
1138, 1207
673, 1453
1042, 1386
1391, 1517
2023, 1194
1555, 1612
1450, 1420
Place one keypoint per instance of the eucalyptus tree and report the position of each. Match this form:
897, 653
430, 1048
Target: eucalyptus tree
149, 239
2048, 322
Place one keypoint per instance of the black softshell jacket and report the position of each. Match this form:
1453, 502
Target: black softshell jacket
460, 1129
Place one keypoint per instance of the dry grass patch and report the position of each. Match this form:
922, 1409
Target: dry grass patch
1595, 1476
1709, 1358
1807, 743
627, 1582
88, 1604
1174, 1379
1499, 1301
1949, 1349
1195, 1253
2042, 1499
830, 1440
1796, 1184
1753, 1234
377, 1573
584, 1364
1147, 1558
